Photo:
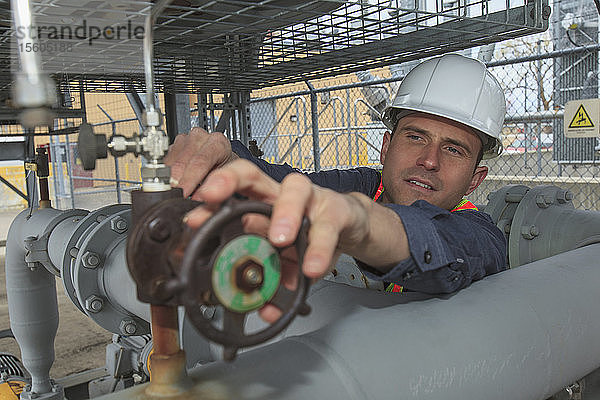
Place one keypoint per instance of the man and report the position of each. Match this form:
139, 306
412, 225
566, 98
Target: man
418, 234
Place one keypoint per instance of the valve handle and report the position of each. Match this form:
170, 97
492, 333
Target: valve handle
244, 274
90, 146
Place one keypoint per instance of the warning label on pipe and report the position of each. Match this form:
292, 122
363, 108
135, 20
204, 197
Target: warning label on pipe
582, 118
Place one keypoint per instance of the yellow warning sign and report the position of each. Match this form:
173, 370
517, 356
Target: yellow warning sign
581, 119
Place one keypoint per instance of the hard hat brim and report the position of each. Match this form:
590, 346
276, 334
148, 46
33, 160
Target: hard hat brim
492, 147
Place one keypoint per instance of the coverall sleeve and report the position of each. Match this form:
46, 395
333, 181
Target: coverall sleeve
363, 180
448, 250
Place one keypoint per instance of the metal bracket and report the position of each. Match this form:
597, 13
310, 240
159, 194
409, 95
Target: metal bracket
37, 247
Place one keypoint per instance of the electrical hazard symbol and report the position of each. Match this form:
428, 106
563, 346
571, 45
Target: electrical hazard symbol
581, 119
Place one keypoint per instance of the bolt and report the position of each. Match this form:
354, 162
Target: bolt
159, 230
94, 304
73, 251
529, 232
569, 195
543, 201
90, 260
249, 275
128, 327
252, 276
564, 196
118, 225
208, 312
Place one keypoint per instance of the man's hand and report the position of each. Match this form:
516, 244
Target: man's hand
349, 223
192, 156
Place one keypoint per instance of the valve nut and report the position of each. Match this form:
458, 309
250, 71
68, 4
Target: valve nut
564, 196
118, 225
159, 230
90, 260
151, 118
119, 144
94, 303
160, 171
530, 232
128, 327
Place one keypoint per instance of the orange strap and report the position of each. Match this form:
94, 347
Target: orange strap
379, 191
463, 205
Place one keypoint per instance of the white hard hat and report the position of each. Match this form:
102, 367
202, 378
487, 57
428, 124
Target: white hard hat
458, 88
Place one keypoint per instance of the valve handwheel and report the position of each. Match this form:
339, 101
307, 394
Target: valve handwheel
244, 275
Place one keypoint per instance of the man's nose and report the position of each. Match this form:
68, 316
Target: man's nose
429, 158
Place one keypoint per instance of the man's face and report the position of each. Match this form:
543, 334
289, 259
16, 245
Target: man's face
430, 158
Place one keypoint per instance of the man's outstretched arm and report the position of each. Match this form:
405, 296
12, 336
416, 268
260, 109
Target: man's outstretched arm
350, 223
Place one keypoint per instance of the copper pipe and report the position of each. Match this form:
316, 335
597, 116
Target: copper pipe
165, 330
168, 376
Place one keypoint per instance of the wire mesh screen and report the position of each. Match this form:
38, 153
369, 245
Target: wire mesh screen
238, 45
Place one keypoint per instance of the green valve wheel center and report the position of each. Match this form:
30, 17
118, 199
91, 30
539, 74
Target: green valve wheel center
246, 273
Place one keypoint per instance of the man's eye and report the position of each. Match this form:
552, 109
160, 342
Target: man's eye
453, 150
413, 137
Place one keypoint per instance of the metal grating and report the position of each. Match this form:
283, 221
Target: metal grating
228, 45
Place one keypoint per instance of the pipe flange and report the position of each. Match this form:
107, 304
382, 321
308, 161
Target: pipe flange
101, 241
347, 272
73, 245
529, 227
503, 204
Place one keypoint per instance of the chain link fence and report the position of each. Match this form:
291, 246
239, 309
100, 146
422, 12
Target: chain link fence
538, 77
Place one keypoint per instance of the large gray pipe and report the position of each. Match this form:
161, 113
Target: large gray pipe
32, 303
521, 334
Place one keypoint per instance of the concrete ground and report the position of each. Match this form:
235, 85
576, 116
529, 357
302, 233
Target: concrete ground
80, 343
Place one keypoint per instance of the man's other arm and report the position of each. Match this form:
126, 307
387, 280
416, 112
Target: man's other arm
193, 156
448, 250
361, 179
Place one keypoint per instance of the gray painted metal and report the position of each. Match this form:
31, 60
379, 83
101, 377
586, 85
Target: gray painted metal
545, 223
32, 303
315, 128
107, 244
177, 114
12, 150
65, 255
61, 240
520, 334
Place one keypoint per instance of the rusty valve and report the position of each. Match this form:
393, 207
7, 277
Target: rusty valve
217, 265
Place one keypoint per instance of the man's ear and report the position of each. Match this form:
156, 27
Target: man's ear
478, 177
387, 138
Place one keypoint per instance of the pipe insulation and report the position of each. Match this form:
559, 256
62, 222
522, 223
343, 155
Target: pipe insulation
521, 334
